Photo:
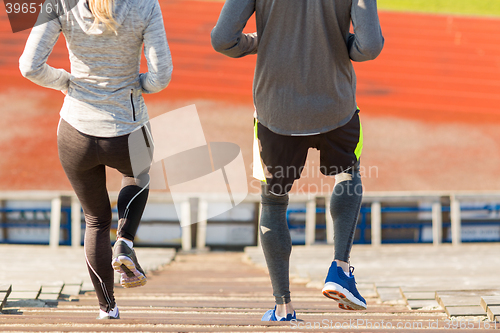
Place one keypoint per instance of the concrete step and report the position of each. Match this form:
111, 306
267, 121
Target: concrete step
390, 295
5, 291
491, 304
493, 313
419, 298
52, 291
28, 291
465, 303
71, 290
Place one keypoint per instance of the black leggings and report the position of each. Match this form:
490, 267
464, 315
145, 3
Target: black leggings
84, 159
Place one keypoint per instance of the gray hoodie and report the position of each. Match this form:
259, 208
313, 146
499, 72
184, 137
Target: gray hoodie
304, 80
104, 88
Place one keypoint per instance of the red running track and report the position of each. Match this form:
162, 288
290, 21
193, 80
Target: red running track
432, 66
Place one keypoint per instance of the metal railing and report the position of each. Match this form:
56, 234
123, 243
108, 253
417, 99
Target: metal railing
375, 200
24, 222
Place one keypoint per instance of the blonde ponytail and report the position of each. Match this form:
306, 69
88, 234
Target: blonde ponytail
103, 12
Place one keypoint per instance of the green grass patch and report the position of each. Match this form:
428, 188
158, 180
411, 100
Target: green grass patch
463, 7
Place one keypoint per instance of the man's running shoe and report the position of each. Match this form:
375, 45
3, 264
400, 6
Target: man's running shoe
112, 314
340, 287
270, 315
125, 262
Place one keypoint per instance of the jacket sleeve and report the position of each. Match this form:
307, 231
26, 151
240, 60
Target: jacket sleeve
33, 62
228, 37
157, 53
367, 41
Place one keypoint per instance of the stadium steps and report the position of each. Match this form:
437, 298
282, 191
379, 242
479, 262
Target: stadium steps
209, 292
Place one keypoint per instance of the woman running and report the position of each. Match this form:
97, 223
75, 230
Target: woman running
102, 107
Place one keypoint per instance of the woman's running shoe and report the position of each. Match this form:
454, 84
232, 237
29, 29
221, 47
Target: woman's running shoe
112, 314
125, 262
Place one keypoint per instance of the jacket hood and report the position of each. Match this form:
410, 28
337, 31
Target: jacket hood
85, 18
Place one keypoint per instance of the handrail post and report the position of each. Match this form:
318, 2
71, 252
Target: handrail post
186, 225
310, 222
55, 222
376, 223
329, 222
201, 234
456, 223
437, 223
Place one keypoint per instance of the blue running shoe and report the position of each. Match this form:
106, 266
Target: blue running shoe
343, 289
270, 315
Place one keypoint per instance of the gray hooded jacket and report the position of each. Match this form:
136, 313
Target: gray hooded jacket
104, 88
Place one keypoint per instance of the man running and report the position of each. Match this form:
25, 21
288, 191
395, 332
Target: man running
304, 94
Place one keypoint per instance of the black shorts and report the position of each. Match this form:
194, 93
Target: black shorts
280, 159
